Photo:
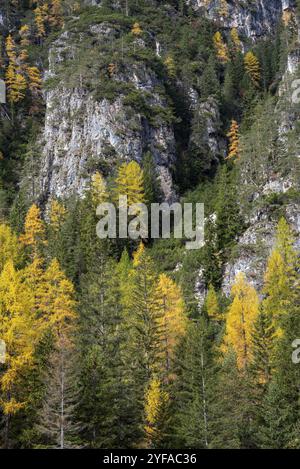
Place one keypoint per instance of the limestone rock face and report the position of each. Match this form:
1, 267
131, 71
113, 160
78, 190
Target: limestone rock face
255, 246
257, 242
251, 19
84, 133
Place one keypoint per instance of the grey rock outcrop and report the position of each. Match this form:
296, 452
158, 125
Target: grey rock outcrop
252, 19
83, 133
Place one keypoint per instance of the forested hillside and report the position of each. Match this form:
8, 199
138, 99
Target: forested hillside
119, 343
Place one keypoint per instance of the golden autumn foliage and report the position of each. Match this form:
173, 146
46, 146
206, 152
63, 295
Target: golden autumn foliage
24, 33
10, 247
223, 8
130, 182
57, 215
20, 330
240, 320
220, 48
35, 81
234, 141
10, 47
136, 29
19, 76
252, 67
287, 16
34, 230
99, 189
281, 285
170, 66
40, 18
58, 303
236, 42
16, 85
172, 319
112, 68
56, 14
156, 401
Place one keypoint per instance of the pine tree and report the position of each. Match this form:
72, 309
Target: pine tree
58, 425
151, 182
108, 398
209, 82
57, 417
193, 423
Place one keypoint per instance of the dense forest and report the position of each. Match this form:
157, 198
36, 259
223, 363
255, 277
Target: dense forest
123, 343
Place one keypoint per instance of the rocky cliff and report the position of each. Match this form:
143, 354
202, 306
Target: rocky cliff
279, 188
101, 111
84, 132
252, 19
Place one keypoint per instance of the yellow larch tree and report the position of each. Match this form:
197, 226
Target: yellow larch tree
235, 40
34, 231
24, 33
130, 182
33, 277
156, 402
223, 9
99, 189
40, 18
287, 16
57, 215
282, 285
35, 80
56, 14
20, 329
220, 48
234, 141
112, 68
240, 321
58, 304
170, 66
10, 47
252, 67
136, 29
16, 85
172, 319
10, 248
